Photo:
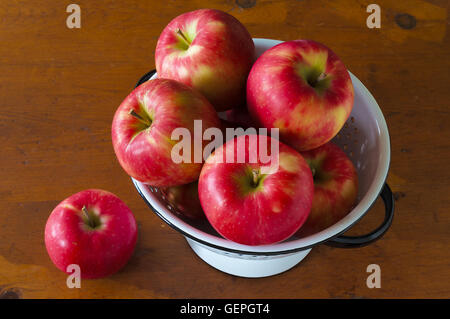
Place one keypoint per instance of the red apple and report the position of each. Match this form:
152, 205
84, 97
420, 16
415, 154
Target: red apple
209, 50
335, 187
250, 207
142, 131
302, 88
93, 229
185, 199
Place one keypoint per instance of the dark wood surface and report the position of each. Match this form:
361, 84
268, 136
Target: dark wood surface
59, 89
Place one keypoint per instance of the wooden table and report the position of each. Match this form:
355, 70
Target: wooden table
59, 88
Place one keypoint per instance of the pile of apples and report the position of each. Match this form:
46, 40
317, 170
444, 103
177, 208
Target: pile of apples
208, 71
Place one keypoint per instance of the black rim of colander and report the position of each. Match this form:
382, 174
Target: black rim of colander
386, 223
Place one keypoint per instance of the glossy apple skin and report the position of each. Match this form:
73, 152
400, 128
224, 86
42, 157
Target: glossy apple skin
185, 199
216, 62
256, 215
145, 153
335, 187
280, 93
99, 252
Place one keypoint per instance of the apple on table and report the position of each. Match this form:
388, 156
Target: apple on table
302, 88
209, 50
93, 229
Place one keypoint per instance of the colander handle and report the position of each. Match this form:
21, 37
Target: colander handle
145, 78
360, 241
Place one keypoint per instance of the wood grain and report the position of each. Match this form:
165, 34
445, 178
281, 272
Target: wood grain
59, 89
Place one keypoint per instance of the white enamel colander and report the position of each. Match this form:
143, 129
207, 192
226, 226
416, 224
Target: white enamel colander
364, 138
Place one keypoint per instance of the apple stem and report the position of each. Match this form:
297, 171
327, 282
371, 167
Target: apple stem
313, 170
180, 33
255, 178
86, 213
313, 82
140, 118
